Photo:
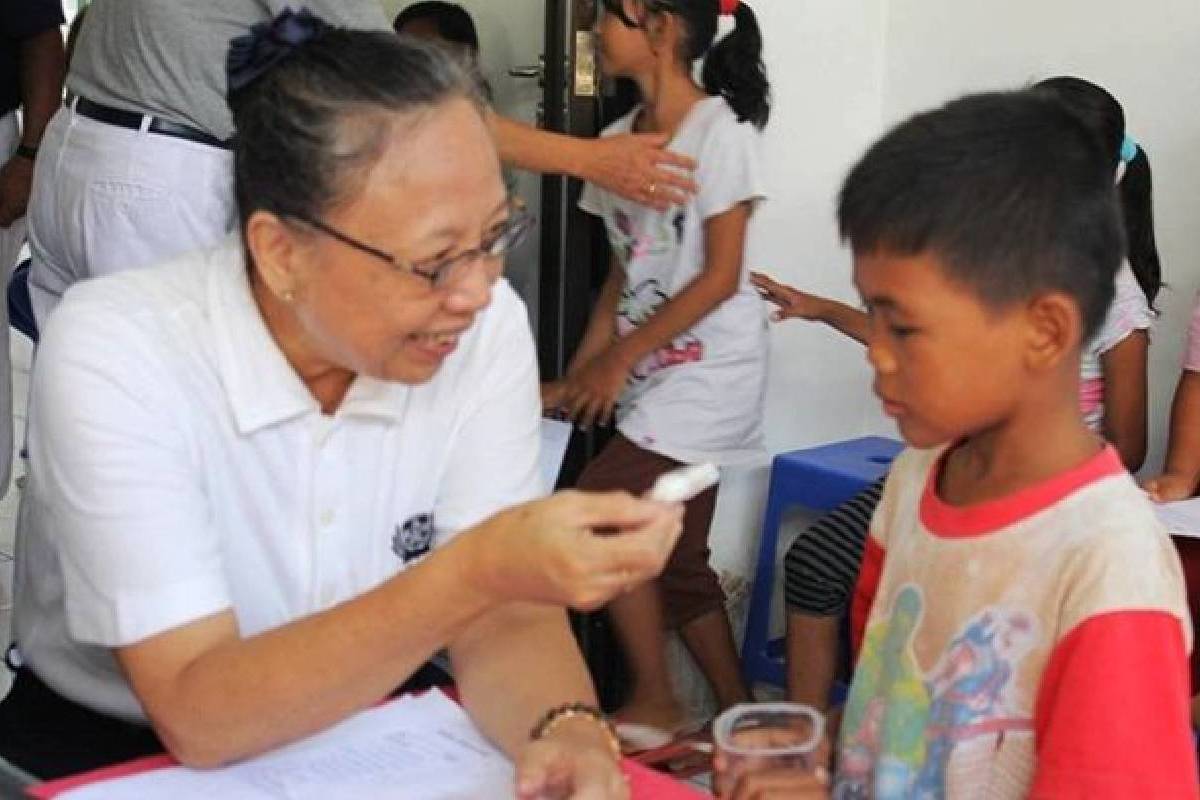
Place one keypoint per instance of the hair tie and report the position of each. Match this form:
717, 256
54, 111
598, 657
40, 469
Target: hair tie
268, 43
729, 6
1129, 149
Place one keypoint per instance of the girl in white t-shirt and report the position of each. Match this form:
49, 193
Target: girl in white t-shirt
676, 347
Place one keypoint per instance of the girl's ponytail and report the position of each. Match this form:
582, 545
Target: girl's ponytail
1137, 206
1104, 117
734, 70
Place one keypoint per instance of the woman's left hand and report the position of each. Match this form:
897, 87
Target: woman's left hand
638, 167
556, 768
593, 391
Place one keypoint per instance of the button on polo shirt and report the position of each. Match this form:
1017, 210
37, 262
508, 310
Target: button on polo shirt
179, 468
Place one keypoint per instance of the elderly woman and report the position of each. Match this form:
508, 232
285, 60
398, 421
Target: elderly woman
270, 481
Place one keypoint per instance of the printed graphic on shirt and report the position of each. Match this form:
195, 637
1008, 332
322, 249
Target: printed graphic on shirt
923, 732
414, 538
630, 243
637, 305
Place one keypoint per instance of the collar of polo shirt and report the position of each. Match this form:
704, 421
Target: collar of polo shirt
262, 387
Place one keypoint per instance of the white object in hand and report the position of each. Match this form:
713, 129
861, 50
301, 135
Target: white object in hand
681, 485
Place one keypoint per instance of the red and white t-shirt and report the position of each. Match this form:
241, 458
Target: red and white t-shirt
1032, 646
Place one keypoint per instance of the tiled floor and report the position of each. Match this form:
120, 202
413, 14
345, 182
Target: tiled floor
22, 357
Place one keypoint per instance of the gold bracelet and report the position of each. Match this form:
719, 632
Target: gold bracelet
560, 714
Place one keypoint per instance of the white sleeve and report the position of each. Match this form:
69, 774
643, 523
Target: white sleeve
116, 484
590, 200
1129, 312
493, 461
730, 167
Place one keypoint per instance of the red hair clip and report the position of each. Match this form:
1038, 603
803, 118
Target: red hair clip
729, 6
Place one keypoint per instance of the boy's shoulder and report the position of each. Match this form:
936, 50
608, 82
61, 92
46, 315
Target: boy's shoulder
1115, 554
1092, 525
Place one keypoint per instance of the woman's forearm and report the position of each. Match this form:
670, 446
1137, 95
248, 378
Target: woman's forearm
495, 659
215, 698
526, 147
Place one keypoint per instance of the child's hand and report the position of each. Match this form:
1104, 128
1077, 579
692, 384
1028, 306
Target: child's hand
554, 393
1169, 486
790, 302
733, 782
592, 391
781, 784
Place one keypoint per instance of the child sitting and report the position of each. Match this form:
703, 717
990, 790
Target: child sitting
1020, 609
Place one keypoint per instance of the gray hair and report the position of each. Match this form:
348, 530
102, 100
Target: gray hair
312, 127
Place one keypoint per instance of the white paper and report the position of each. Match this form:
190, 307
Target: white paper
1181, 518
556, 435
423, 748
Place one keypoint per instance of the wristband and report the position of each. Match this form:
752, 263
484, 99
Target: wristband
27, 151
559, 714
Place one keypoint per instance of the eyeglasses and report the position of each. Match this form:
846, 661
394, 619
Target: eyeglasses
440, 272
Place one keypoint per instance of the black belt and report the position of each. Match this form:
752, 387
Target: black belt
134, 121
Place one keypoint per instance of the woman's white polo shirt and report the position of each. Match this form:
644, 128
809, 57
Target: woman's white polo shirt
179, 467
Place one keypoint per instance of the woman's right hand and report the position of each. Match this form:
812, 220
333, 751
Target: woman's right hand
1170, 486
574, 549
790, 303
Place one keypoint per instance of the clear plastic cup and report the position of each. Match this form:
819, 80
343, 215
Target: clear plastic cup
754, 737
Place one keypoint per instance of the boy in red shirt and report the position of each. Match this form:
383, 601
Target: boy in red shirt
1021, 615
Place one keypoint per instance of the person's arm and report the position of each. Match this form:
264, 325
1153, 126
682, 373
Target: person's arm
791, 303
492, 663
865, 589
1181, 474
600, 333
214, 697
634, 166
1123, 368
597, 385
1112, 714
602, 326
43, 66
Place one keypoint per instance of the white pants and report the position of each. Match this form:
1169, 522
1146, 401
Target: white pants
12, 239
107, 199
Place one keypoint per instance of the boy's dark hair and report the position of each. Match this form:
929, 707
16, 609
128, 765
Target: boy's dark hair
1009, 190
453, 22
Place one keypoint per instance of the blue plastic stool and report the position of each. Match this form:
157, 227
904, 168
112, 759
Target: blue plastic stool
818, 479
